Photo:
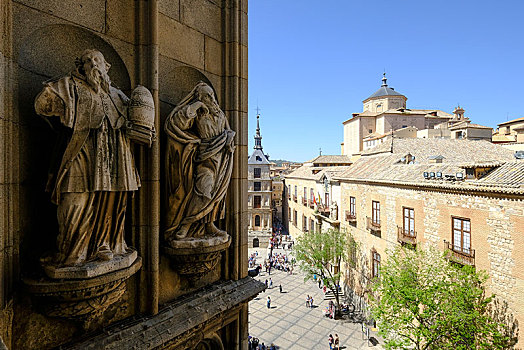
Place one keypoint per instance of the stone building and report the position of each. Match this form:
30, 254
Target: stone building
465, 197
510, 134
168, 47
259, 195
277, 193
313, 194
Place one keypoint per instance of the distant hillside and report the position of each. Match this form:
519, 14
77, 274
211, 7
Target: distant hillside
280, 161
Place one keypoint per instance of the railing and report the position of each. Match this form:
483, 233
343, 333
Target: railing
350, 217
372, 225
304, 201
324, 210
294, 198
311, 204
406, 236
460, 255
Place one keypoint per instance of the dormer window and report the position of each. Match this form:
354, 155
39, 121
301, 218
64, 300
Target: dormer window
258, 158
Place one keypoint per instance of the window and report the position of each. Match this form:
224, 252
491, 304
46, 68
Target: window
257, 173
295, 218
289, 192
289, 214
257, 186
257, 220
257, 201
409, 221
327, 199
305, 194
375, 264
256, 243
375, 214
352, 206
462, 235
311, 225
304, 223
311, 195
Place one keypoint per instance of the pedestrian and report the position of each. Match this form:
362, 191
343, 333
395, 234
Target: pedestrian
307, 301
280, 286
270, 283
331, 341
319, 282
311, 301
266, 283
337, 342
268, 302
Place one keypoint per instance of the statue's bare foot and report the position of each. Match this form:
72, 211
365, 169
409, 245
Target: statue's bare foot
212, 230
104, 253
182, 232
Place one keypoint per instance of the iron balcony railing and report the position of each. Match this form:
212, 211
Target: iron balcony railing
350, 217
464, 256
406, 236
372, 225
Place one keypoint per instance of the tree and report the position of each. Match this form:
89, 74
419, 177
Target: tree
422, 301
320, 253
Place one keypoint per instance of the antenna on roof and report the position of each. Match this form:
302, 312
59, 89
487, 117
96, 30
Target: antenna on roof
320, 150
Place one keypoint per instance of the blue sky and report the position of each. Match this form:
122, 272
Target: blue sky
311, 63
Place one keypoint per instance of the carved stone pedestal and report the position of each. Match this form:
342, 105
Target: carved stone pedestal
193, 258
80, 299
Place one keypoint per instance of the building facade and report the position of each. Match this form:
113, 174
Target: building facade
464, 197
167, 47
259, 196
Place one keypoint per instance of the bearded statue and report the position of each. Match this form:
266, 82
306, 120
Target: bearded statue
199, 163
95, 172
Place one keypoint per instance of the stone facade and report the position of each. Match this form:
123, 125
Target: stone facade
168, 47
496, 230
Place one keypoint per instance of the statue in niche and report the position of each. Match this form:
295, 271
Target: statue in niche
96, 173
199, 163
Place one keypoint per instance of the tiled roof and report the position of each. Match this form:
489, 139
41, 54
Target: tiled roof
386, 167
513, 121
331, 159
316, 173
464, 125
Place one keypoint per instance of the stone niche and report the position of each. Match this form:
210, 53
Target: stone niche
80, 295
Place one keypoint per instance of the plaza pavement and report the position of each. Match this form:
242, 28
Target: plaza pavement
289, 324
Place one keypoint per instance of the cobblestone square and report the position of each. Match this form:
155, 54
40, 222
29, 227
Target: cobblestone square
289, 324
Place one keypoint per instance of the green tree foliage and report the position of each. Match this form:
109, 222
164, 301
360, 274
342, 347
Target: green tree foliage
422, 301
320, 253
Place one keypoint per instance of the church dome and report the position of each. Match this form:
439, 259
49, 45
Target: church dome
384, 90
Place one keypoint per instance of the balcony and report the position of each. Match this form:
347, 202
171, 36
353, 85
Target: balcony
311, 204
304, 201
294, 198
373, 227
406, 237
324, 210
460, 255
351, 217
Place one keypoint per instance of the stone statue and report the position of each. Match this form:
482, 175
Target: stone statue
199, 163
96, 172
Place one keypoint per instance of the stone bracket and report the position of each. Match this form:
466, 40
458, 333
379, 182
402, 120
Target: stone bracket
177, 322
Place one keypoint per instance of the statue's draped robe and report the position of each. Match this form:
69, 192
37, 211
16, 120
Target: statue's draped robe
96, 172
199, 163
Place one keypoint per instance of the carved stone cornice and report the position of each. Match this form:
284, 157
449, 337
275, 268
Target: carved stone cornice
185, 321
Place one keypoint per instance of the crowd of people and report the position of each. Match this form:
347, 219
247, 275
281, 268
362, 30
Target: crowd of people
254, 344
279, 261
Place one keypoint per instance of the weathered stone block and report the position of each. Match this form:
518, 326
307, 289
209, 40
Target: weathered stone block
90, 14
202, 15
180, 42
213, 57
170, 8
121, 20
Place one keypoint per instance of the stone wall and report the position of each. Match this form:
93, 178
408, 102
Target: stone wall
496, 230
165, 45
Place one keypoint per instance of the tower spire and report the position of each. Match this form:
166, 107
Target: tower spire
258, 138
384, 80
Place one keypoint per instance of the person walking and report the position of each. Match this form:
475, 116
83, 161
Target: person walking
331, 341
280, 286
311, 301
337, 342
307, 301
268, 302
270, 283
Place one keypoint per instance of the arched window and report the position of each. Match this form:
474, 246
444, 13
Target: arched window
256, 243
257, 220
